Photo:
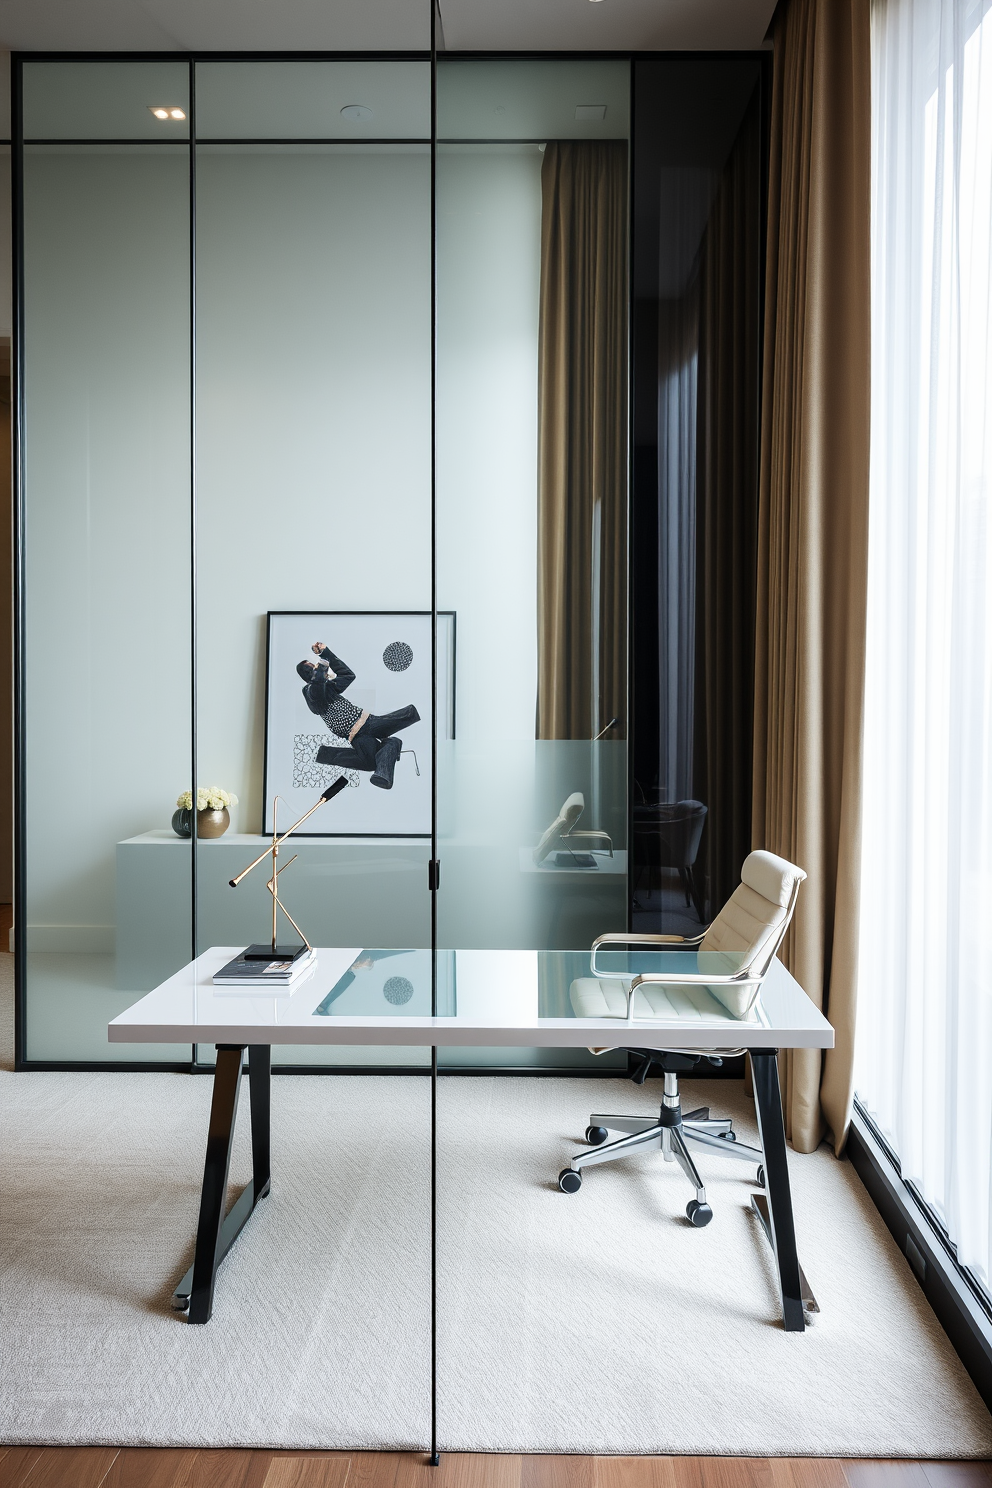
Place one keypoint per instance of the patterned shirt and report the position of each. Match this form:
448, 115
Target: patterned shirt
342, 716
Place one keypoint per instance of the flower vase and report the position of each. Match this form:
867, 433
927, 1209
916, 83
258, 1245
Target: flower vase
181, 823
211, 823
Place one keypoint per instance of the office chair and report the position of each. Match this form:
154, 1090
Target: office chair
668, 836
732, 960
562, 834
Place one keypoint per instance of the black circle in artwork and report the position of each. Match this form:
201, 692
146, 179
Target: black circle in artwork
397, 656
397, 990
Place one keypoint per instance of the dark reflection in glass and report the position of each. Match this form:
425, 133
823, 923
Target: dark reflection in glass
699, 177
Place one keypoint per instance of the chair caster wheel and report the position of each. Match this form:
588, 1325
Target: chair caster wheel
698, 1214
730, 1136
760, 1176
596, 1135
569, 1181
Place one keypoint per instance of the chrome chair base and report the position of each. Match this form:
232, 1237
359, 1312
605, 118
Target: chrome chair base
670, 1133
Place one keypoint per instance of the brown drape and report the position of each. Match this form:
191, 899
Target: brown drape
582, 442
726, 507
813, 521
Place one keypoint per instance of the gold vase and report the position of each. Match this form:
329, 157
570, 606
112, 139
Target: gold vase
211, 823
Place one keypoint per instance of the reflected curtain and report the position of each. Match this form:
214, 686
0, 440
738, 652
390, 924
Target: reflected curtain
582, 441
726, 507
813, 521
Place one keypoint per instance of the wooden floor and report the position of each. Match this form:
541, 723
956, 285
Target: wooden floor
130, 1467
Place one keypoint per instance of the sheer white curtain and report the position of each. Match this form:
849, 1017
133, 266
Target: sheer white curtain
924, 1042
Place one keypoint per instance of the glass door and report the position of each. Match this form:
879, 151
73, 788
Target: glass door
531, 222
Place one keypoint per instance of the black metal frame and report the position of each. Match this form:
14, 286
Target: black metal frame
963, 1308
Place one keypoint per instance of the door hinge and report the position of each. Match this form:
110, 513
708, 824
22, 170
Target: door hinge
434, 874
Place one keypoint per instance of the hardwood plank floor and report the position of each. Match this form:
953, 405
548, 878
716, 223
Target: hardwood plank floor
150, 1467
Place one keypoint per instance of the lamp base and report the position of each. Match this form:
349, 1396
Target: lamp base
266, 953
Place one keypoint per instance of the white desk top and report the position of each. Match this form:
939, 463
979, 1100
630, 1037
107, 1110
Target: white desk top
483, 997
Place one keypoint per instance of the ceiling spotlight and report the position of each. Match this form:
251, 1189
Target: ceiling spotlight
356, 111
165, 111
176, 114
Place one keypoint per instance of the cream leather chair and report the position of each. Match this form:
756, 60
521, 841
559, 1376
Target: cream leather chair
732, 959
562, 834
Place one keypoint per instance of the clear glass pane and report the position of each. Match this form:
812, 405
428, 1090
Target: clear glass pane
532, 504
532, 100
313, 525
697, 308
106, 101
107, 583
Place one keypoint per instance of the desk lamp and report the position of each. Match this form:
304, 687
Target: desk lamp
274, 952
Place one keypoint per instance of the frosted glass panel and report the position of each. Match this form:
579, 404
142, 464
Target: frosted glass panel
106, 100
107, 570
314, 496
313, 100
532, 100
525, 741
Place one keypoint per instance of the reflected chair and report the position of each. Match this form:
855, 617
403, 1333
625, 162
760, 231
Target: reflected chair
732, 959
668, 836
562, 835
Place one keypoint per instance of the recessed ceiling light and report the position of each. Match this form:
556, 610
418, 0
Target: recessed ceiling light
590, 110
356, 111
166, 111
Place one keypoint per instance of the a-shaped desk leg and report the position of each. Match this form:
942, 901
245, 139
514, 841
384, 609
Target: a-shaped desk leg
768, 1103
215, 1233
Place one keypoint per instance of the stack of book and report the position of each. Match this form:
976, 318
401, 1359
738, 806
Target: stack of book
242, 972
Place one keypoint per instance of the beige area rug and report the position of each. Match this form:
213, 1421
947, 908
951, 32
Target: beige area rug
594, 1322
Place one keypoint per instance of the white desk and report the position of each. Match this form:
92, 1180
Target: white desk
479, 997
484, 997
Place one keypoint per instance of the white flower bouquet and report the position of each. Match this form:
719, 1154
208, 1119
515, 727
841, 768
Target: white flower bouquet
208, 798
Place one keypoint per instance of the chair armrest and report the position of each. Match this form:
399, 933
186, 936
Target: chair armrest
603, 836
660, 942
694, 979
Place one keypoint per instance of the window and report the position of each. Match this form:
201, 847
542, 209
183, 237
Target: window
925, 999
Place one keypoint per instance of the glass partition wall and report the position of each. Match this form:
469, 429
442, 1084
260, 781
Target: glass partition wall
324, 445
339, 266
532, 193
229, 340
313, 418
106, 548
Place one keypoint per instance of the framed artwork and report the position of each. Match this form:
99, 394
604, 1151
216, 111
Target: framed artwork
349, 693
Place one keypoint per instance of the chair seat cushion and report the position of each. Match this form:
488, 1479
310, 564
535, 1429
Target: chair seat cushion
606, 997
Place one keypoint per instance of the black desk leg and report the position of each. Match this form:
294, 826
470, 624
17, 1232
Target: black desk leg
768, 1103
213, 1197
259, 1083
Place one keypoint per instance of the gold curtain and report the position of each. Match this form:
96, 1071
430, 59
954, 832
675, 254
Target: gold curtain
813, 522
582, 442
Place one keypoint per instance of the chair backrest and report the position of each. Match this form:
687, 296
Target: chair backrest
679, 834
561, 826
751, 925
